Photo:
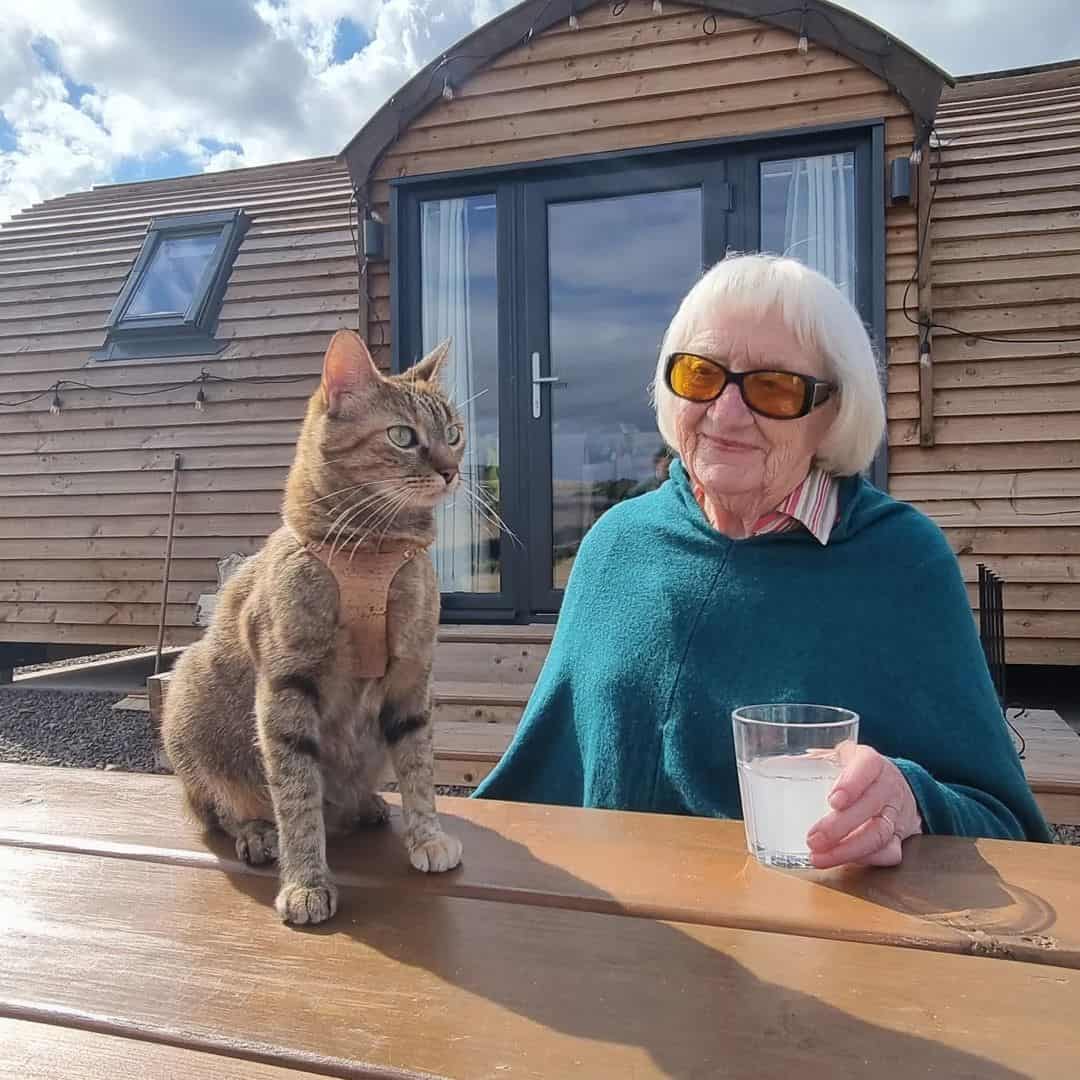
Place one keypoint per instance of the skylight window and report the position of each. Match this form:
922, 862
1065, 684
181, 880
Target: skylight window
170, 302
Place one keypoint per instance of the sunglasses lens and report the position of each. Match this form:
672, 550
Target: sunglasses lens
775, 393
694, 378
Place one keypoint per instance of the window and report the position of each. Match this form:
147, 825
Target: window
808, 212
170, 301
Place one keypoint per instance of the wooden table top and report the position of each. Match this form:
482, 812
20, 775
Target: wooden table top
570, 942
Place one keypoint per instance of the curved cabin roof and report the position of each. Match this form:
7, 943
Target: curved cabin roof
914, 78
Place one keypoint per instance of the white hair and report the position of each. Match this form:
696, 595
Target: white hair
818, 315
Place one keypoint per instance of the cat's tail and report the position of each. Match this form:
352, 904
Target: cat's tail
200, 806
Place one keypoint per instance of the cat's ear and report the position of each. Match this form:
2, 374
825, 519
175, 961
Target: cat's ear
347, 369
427, 370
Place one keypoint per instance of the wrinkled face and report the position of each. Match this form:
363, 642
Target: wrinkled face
728, 449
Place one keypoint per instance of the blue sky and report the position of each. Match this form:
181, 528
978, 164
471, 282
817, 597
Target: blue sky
105, 91
350, 38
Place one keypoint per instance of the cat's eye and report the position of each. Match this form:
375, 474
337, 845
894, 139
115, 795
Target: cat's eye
402, 436
453, 435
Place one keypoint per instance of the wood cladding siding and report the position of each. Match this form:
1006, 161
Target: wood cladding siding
84, 496
1002, 478
639, 80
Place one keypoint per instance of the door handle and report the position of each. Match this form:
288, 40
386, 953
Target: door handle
538, 381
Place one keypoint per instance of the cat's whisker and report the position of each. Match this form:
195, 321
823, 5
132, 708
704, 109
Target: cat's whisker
375, 516
487, 500
478, 490
368, 501
482, 500
364, 500
374, 501
469, 401
389, 513
490, 514
500, 527
386, 528
354, 487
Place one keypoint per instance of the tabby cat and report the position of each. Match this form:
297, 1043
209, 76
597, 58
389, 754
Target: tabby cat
317, 665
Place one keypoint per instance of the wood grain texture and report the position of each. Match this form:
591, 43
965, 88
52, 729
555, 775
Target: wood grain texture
61, 267
404, 982
983, 897
50, 1051
1005, 235
1052, 750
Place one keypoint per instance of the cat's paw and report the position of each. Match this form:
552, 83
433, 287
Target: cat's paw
256, 842
373, 811
305, 905
434, 856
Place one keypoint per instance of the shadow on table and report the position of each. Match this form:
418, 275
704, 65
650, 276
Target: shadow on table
688, 995
948, 881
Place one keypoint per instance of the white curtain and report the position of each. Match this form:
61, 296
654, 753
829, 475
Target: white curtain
819, 229
444, 305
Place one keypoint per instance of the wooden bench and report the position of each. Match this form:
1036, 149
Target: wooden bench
569, 943
1051, 762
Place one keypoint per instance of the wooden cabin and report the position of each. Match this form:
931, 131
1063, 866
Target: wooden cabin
986, 437
546, 194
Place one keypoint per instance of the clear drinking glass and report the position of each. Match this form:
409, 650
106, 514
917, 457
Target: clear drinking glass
789, 757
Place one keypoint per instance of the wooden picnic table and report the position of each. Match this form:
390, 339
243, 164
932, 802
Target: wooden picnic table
569, 943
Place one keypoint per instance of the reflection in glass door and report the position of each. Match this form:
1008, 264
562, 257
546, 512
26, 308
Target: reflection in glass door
808, 212
617, 268
459, 300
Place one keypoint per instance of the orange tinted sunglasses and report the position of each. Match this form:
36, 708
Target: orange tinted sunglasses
779, 395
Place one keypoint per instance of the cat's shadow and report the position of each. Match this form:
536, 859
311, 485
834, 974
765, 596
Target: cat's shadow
696, 1009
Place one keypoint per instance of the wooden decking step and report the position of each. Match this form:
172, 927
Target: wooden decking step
463, 693
133, 703
1051, 763
486, 634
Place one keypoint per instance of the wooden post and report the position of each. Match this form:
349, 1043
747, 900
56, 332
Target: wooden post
168, 564
362, 285
926, 356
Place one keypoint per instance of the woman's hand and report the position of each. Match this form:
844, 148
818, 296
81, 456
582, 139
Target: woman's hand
873, 812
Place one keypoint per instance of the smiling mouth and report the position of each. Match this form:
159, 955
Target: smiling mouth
730, 444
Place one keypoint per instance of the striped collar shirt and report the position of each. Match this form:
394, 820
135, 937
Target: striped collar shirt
813, 504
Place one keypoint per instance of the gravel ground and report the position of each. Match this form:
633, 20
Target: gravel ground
82, 730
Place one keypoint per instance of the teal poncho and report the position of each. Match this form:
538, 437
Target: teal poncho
667, 625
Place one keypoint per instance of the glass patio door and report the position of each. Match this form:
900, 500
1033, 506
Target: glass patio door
556, 285
611, 258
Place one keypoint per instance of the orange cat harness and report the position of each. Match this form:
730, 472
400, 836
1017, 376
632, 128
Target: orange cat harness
364, 580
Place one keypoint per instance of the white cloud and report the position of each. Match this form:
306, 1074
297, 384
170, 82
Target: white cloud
92, 89
969, 36
97, 90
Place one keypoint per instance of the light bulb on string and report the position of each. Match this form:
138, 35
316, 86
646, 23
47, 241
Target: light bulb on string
658, 7
56, 407
447, 90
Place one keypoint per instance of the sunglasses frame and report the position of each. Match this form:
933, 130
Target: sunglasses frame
815, 391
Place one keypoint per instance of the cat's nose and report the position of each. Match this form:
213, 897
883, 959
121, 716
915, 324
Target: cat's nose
449, 475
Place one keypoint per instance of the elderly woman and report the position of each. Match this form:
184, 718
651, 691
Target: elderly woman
767, 569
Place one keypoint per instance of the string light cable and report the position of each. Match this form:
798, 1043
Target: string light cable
201, 380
